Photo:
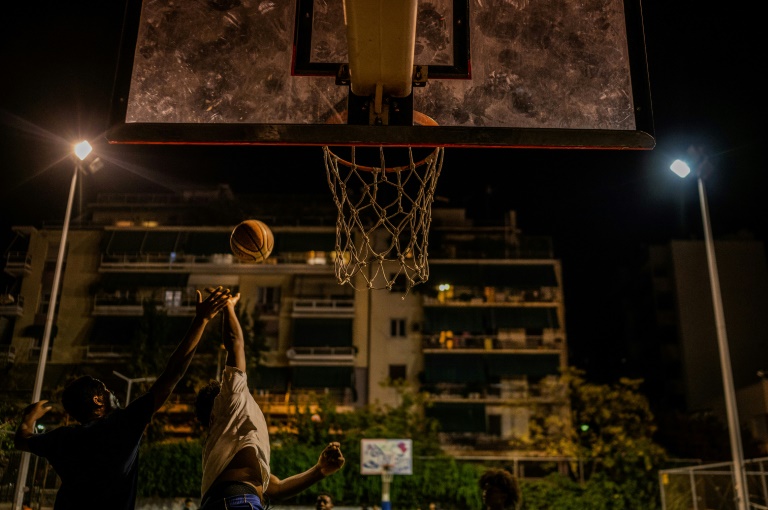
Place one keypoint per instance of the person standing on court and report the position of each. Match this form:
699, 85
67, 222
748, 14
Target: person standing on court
236, 472
97, 459
500, 490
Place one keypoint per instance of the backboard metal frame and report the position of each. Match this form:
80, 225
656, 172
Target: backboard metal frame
640, 136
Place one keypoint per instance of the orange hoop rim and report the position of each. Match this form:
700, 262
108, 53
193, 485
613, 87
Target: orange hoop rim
432, 155
419, 118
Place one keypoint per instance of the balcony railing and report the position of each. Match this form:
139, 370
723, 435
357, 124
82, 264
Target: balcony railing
94, 352
451, 343
497, 393
314, 262
18, 263
114, 305
11, 305
7, 354
293, 401
489, 296
321, 355
324, 307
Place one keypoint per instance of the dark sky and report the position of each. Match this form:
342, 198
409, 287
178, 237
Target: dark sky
58, 61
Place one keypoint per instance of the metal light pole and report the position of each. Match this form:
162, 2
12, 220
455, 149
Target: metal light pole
81, 150
682, 169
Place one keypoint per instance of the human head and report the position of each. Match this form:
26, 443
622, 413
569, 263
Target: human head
324, 501
204, 402
87, 398
500, 489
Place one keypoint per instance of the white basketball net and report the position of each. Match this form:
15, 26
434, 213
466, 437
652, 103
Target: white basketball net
384, 217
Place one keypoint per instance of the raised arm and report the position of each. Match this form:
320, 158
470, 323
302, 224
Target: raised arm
330, 461
232, 336
205, 310
26, 428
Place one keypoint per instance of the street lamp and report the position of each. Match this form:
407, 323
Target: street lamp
81, 151
703, 166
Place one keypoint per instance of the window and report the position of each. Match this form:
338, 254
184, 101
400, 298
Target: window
397, 328
396, 372
172, 298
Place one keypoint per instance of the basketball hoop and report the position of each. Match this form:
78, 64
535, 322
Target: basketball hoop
384, 214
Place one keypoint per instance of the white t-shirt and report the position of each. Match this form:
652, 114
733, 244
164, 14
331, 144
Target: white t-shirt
238, 423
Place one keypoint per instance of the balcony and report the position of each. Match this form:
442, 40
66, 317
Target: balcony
498, 394
491, 296
448, 343
321, 356
7, 354
292, 402
107, 352
338, 307
116, 305
11, 305
18, 263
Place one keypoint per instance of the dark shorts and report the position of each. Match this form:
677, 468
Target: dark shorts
231, 496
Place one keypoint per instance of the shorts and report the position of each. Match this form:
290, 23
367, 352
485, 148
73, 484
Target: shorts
231, 496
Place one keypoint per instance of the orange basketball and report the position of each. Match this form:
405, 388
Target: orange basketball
252, 241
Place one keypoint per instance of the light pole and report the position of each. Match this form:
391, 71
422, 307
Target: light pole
702, 166
130, 383
81, 150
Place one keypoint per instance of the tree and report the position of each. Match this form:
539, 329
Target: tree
611, 430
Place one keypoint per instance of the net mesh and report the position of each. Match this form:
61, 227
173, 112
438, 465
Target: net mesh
384, 214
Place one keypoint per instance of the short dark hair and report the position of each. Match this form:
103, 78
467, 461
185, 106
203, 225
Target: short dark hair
77, 397
502, 479
204, 402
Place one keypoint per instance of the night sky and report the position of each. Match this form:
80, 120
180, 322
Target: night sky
58, 61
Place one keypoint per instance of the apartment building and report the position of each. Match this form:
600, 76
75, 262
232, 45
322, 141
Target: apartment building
484, 337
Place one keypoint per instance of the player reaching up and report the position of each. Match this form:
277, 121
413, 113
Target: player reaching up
236, 473
97, 460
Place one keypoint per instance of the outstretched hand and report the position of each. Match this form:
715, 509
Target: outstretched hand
331, 459
34, 412
217, 299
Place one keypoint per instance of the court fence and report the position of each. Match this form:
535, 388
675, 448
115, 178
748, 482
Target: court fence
710, 486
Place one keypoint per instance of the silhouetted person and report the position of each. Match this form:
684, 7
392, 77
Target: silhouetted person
97, 459
500, 490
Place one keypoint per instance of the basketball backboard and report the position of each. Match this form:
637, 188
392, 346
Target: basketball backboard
491, 73
379, 456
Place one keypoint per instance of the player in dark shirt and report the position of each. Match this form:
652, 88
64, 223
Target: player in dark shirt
97, 460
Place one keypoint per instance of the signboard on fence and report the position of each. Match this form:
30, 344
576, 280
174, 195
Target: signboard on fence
380, 456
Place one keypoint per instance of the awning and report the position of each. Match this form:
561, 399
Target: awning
110, 282
458, 417
322, 332
519, 276
158, 241
124, 241
301, 242
206, 243
485, 368
454, 368
484, 320
536, 365
271, 379
115, 330
322, 377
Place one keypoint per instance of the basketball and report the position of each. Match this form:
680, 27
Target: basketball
252, 241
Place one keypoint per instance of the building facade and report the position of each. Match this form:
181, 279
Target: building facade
484, 337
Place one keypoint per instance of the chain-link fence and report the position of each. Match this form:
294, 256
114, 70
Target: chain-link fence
710, 486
